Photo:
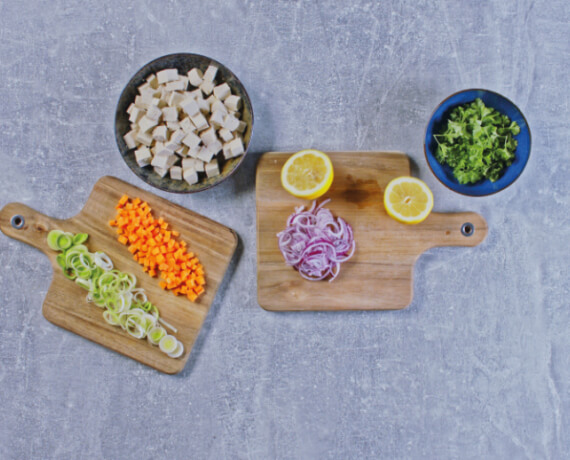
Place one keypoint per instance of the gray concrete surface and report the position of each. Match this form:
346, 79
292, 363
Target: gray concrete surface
477, 367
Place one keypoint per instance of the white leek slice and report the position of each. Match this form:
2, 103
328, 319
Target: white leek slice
178, 351
155, 335
168, 344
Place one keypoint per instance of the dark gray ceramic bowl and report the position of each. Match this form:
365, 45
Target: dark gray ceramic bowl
183, 62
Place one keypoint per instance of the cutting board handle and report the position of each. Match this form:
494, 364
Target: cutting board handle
25, 224
458, 229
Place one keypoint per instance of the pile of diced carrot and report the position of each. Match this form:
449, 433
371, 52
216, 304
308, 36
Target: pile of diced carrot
156, 248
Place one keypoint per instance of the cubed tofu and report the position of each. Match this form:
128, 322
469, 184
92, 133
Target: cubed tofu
207, 87
144, 138
191, 140
152, 81
210, 100
190, 176
130, 108
205, 154
170, 114
140, 103
222, 91
172, 125
136, 114
187, 126
143, 87
195, 77
226, 150
208, 136
204, 106
153, 112
241, 126
210, 74
176, 173
231, 122
177, 85
155, 101
193, 152
129, 139
212, 168
197, 165
164, 161
215, 147
145, 123
159, 133
196, 94
233, 102
236, 147
200, 121
160, 171
167, 75
143, 156
190, 106
177, 136
225, 134
174, 99
217, 119
218, 106
182, 151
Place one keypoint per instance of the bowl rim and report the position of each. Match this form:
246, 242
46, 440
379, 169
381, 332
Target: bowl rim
496, 94
117, 134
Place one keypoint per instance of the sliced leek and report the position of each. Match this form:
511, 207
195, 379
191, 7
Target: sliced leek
125, 305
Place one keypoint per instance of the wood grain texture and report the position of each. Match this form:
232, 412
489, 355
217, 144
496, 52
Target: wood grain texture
65, 303
379, 276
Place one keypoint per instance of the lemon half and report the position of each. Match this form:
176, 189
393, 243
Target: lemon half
307, 174
408, 200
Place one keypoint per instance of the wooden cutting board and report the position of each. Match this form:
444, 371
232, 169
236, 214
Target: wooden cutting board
65, 303
379, 275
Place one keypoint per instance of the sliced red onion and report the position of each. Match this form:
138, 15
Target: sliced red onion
316, 243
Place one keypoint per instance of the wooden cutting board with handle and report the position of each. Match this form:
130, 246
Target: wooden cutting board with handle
379, 275
65, 304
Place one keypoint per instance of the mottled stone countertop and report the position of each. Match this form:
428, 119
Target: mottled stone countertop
478, 366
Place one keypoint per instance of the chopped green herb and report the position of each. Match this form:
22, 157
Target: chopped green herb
477, 143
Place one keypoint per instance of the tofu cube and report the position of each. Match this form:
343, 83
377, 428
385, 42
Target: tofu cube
167, 75
190, 106
177, 136
196, 94
144, 138
155, 101
218, 106
143, 156
210, 74
225, 134
208, 136
140, 103
145, 123
136, 114
231, 122
130, 108
205, 154
129, 139
241, 126
152, 81
200, 121
160, 171
153, 112
236, 147
164, 161
212, 168
215, 147
170, 114
195, 77
204, 106
193, 152
176, 173
222, 91
174, 99
211, 99
227, 152
191, 140
141, 88
233, 102
159, 133
190, 176
172, 125
207, 87
182, 151
177, 85
217, 119
197, 165
187, 126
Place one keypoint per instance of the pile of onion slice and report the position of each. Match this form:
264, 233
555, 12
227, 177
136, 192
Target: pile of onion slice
316, 243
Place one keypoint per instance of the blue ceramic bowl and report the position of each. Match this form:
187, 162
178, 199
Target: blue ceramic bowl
438, 123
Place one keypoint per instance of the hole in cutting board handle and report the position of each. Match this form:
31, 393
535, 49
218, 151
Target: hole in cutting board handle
467, 229
17, 221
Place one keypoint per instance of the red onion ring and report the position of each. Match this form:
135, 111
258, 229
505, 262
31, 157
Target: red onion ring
315, 243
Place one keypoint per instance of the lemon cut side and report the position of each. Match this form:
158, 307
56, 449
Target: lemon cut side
408, 200
307, 174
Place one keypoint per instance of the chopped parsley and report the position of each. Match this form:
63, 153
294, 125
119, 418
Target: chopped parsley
477, 143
